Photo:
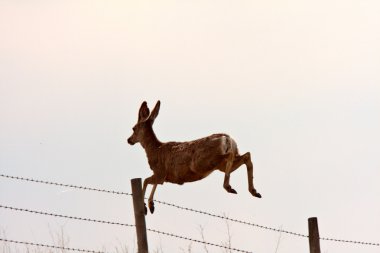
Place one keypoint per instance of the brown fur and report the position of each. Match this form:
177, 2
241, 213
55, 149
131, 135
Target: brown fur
182, 162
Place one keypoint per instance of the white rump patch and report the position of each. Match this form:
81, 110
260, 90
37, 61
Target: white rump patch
225, 144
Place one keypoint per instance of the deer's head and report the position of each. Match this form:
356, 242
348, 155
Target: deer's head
144, 123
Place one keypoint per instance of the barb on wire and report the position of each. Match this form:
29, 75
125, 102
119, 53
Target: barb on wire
65, 216
65, 185
49, 246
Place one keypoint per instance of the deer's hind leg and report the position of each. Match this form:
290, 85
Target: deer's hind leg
246, 159
228, 170
237, 162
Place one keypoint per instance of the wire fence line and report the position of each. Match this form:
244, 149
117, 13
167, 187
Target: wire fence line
197, 241
348, 241
157, 201
65, 185
65, 216
48, 246
186, 209
232, 219
119, 224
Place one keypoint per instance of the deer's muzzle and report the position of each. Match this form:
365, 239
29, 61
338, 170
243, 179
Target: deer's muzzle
130, 141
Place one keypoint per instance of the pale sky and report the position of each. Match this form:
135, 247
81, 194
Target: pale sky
296, 83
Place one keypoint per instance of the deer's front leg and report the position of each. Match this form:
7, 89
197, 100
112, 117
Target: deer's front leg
154, 180
150, 200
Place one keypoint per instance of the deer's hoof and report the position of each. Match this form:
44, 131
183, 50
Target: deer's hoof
145, 209
231, 190
151, 207
255, 194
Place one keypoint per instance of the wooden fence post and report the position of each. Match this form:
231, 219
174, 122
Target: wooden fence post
138, 207
314, 235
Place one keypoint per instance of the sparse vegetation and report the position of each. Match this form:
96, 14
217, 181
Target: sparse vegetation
62, 240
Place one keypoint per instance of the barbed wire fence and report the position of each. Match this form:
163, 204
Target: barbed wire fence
49, 246
174, 235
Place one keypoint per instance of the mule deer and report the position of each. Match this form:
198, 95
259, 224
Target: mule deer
182, 162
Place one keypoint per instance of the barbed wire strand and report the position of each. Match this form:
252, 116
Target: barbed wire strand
231, 219
190, 210
120, 224
65, 216
49, 246
66, 185
348, 241
197, 241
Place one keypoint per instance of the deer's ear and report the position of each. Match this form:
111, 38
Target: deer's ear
143, 112
155, 111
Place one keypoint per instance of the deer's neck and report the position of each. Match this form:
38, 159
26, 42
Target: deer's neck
150, 142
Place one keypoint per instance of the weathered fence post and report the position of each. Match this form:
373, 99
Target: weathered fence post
138, 207
314, 235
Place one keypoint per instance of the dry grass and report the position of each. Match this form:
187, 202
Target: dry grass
60, 239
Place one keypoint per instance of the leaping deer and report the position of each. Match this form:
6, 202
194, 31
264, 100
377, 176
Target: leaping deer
182, 162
